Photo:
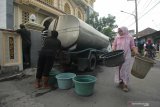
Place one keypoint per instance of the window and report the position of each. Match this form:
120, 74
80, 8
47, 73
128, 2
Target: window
67, 8
25, 16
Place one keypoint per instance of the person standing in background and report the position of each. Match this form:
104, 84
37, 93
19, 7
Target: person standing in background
124, 41
26, 45
150, 49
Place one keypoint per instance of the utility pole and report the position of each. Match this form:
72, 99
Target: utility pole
136, 17
136, 20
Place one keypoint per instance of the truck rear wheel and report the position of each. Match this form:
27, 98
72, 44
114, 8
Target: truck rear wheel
92, 62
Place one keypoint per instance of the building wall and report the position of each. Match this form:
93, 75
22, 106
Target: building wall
56, 3
76, 10
9, 14
6, 16
12, 21
64, 3
11, 51
40, 18
3, 11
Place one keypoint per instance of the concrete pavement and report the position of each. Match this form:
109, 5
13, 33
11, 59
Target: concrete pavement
143, 92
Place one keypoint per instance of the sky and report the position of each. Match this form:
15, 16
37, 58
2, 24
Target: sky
148, 12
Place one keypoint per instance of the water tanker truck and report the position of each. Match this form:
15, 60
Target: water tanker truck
81, 43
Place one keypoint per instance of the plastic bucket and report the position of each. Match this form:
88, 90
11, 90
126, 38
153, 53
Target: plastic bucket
84, 84
52, 77
113, 59
64, 80
141, 66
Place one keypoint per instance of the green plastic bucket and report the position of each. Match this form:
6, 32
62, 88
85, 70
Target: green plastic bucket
84, 84
52, 77
64, 80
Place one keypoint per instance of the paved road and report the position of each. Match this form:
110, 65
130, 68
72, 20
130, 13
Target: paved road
143, 92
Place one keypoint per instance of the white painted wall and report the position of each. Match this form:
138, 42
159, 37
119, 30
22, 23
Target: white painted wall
3, 14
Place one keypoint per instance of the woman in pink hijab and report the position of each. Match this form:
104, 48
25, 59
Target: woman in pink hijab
124, 41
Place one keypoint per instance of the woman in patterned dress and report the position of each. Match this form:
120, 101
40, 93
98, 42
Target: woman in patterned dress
124, 41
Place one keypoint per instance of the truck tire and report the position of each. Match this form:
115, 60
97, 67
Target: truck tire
92, 62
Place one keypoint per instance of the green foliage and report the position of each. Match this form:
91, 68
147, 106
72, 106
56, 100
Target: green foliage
103, 24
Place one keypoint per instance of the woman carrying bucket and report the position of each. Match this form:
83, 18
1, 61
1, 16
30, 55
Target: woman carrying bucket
124, 41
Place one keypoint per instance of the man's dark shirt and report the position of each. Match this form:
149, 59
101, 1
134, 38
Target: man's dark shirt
26, 37
51, 46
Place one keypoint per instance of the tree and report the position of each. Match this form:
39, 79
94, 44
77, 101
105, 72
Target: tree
103, 24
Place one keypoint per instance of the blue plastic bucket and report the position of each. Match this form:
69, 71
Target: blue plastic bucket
64, 80
84, 84
52, 77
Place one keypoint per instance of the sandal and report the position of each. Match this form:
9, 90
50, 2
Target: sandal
125, 88
38, 84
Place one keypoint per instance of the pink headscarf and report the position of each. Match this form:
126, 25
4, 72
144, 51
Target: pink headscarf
124, 30
125, 36
149, 41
